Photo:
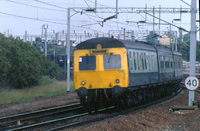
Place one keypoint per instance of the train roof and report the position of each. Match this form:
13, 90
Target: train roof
177, 53
112, 43
117, 43
163, 50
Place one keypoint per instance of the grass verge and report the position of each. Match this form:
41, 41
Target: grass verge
28, 94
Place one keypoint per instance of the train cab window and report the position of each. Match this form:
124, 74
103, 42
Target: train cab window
112, 61
87, 62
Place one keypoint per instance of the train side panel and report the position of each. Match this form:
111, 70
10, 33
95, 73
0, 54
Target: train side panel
143, 67
178, 66
166, 67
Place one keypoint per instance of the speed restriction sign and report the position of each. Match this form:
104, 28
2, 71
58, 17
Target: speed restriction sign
191, 83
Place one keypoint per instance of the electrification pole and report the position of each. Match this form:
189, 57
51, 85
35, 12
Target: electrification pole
192, 48
45, 27
25, 38
68, 49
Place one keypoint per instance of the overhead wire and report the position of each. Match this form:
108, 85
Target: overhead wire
64, 10
20, 3
30, 18
102, 17
90, 8
98, 4
51, 4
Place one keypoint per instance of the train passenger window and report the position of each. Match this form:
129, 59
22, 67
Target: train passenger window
171, 64
152, 63
112, 61
166, 64
87, 62
134, 60
142, 59
145, 61
138, 61
161, 64
130, 61
179, 65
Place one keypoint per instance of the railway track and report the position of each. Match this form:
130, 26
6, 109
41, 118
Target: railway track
111, 114
198, 90
22, 119
69, 120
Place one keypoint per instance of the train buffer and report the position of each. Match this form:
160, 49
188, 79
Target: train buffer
182, 109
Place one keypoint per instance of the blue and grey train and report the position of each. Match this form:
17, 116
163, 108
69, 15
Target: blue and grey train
113, 70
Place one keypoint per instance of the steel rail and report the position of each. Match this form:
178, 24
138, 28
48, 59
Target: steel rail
78, 123
87, 113
197, 91
115, 113
47, 122
39, 113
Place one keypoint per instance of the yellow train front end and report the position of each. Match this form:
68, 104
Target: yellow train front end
100, 73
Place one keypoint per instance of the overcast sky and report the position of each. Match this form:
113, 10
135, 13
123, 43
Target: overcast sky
19, 16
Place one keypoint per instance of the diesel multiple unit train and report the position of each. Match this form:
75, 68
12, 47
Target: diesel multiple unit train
113, 70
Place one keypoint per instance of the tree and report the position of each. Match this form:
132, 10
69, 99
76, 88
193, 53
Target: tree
184, 47
152, 38
21, 65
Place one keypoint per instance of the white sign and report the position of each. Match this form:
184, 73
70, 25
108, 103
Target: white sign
191, 83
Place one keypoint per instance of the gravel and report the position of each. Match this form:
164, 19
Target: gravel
38, 103
157, 117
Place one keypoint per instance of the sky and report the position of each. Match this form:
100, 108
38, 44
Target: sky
18, 16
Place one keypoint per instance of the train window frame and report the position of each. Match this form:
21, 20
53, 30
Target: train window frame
167, 64
114, 65
138, 61
171, 64
142, 59
166, 61
134, 60
130, 61
90, 60
152, 62
162, 64
145, 61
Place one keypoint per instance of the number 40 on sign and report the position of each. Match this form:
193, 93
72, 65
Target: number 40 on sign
191, 83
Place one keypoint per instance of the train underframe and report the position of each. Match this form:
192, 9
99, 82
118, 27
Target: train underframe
102, 98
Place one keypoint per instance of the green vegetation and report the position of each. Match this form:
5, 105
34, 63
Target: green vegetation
184, 47
22, 65
28, 94
39, 45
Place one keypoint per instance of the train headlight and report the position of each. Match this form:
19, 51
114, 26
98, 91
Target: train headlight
82, 82
117, 81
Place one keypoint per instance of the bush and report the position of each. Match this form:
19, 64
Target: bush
21, 65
